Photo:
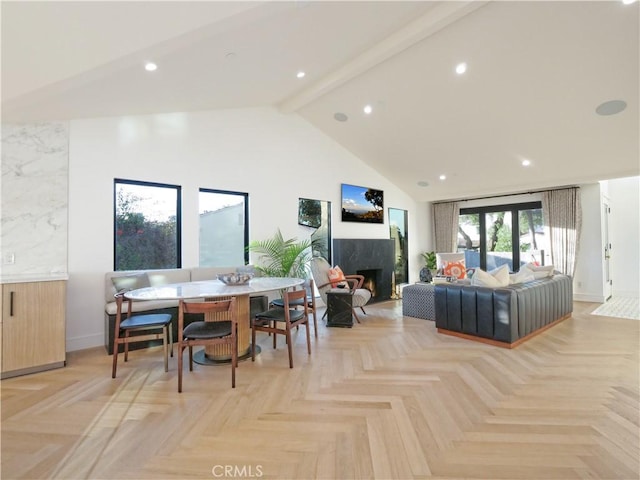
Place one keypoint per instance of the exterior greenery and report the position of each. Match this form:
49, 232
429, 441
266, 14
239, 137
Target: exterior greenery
141, 243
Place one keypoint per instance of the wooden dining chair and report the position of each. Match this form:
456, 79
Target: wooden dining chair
280, 321
222, 331
139, 328
309, 286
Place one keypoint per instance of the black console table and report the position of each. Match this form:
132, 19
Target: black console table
339, 309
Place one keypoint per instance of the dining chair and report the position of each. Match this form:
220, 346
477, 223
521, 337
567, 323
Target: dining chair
139, 328
309, 286
280, 321
221, 331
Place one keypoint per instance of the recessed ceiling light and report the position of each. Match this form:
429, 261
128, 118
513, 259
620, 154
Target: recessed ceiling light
422, 183
443, 177
526, 163
150, 67
341, 117
300, 74
611, 107
368, 109
230, 56
628, 2
461, 68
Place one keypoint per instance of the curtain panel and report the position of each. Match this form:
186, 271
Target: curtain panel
445, 226
563, 221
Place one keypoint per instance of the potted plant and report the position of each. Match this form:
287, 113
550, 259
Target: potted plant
280, 257
430, 268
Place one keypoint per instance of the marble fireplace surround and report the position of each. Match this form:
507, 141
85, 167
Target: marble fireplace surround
355, 255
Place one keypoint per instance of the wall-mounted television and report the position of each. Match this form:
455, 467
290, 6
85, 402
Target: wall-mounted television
362, 204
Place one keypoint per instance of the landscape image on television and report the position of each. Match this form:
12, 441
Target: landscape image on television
361, 204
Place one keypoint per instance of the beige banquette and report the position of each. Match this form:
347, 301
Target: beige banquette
132, 279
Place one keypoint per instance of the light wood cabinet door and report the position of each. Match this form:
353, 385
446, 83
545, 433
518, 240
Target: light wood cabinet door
33, 325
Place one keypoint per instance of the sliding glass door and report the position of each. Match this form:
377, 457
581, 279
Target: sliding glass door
502, 234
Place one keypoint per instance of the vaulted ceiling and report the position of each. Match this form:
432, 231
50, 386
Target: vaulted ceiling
536, 73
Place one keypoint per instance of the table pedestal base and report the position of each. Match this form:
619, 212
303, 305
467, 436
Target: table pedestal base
223, 352
201, 358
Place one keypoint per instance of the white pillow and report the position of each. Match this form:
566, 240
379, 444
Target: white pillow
524, 275
539, 271
498, 277
501, 274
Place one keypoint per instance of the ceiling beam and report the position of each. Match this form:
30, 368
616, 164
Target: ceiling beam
435, 19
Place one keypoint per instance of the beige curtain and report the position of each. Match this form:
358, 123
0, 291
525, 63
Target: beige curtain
445, 226
563, 221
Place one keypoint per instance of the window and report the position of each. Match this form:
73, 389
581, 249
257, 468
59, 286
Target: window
317, 214
501, 234
398, 232
224, 229
146, 225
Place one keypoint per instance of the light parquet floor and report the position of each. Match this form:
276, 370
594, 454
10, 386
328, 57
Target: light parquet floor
387, 399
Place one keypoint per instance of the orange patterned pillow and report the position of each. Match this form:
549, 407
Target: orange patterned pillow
336, 277
455, 269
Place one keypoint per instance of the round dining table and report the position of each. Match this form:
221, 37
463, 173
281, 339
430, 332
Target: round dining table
209, 290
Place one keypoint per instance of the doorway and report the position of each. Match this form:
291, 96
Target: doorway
608, 282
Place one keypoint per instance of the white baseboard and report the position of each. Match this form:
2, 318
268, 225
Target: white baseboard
82, 343
583, 297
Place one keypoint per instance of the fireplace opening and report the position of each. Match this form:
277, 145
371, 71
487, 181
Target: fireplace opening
371, 279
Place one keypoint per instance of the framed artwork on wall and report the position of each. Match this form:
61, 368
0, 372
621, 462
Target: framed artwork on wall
362, 204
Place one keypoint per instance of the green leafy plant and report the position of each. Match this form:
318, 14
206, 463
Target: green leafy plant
280, 257
430, 260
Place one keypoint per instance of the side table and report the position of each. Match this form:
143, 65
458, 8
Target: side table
339, 309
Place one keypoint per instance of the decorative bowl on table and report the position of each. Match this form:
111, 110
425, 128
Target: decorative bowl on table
235, 278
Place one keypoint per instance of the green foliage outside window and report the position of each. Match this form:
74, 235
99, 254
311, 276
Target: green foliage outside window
140, 242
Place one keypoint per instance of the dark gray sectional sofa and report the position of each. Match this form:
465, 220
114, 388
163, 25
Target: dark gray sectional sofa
503, 316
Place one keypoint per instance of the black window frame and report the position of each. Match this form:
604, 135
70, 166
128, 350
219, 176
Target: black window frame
144, 183
514, 209
246, 216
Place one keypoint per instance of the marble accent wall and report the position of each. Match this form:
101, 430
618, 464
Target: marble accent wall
34, 193
356, 254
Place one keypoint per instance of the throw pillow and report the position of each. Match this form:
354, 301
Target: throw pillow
539, 271
524, 275
484, 279
336, 277
444, 258
498, 277
455, 269
501, 274
131, 282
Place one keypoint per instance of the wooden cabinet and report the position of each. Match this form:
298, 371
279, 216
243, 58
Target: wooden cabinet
33, 326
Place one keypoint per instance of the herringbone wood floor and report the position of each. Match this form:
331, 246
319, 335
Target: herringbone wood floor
387, 399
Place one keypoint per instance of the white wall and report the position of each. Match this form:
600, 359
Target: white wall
276, 158
624, 232
588, 281
623, 197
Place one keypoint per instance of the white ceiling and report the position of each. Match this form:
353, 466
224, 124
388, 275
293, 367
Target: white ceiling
536, 72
